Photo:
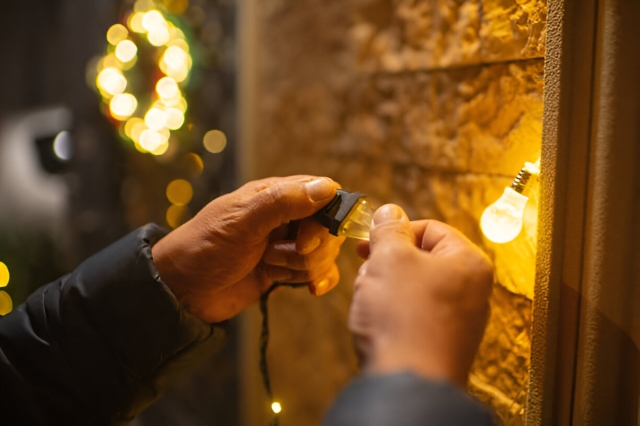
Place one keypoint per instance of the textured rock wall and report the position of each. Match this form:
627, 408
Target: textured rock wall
434, 105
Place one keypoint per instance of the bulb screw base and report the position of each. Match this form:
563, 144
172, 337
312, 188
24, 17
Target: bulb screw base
520, 182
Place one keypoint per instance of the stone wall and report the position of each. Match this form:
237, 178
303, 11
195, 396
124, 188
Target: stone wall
431, 104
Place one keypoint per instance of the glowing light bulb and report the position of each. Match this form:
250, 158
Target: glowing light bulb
174, 118
357, 224
276, 407
111, 81
159, 37
122, 106
155, 119
501, 222
153, 21
126, 50
167, 88
150, 140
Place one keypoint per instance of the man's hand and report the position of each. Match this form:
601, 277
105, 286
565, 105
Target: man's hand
420, 301
222, 260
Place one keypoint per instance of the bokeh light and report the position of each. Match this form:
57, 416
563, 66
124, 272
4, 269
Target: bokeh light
215, 141
63, 149
174, 118
193, 164
167, 88
123, 106
176, 215
126, 50
135, 23
179, 192
117, 33
111, 81
6, 304
4, 275
154, 119
276, 407
150, 140
177, 7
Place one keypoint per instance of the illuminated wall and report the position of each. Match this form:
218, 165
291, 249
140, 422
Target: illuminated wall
433, 105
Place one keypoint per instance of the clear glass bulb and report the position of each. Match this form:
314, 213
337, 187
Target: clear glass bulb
501, 222
358, 222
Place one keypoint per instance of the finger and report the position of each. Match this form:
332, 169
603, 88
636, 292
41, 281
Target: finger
325, 284
283, 254
311, 235
281, 201
438, 237
391, 225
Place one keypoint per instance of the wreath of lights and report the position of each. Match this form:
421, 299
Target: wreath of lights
150, 43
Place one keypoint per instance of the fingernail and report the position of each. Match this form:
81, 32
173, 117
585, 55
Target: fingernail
320, 189
322, 287
387, 213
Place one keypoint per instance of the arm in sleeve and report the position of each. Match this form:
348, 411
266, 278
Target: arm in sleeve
405, 399
101, 344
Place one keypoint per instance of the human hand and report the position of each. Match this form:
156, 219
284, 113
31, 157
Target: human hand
420, 301
222, 260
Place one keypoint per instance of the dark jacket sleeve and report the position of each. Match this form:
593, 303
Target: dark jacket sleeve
99, 345
405, 399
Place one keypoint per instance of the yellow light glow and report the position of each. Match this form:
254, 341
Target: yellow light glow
123, 106
6, 304
158, 37
135, 23
179, 192
4, 275
276, 407
160, 150
178, 41
155, 119
144, 5
130, 125
150, 140
167, 88
176, 216
111, 81
176, 63
137, 129
215, 141
193, 164
177, 7
501, 222
126, 50
117, 33
153, 21
109, 61
174, 118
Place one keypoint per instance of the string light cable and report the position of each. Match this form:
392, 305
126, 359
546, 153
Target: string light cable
501, 222
142, 75
349, 214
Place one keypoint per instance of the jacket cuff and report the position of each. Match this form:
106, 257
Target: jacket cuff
405, 399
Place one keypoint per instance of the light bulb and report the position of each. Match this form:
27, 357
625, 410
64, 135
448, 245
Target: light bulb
501, 222
347, 215
276, 407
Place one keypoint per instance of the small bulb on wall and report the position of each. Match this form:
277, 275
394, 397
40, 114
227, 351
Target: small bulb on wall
501, 222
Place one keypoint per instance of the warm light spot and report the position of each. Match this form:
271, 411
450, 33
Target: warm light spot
150, 140
161, 149
135, 22
215, 141
193, 163
130, 124
174, 118
123, 106
6, 304
276, 407
63, 149
175, 63
176, 216
4, 275
144, 5
178, 41
167, 88
126, 50
137, 129
117, 33
155, 119
158, 37
111, 81
501, 222
177, 7
109, 61
179, 192
154, 21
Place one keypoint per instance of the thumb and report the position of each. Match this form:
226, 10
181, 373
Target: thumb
285, 200
391, 225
